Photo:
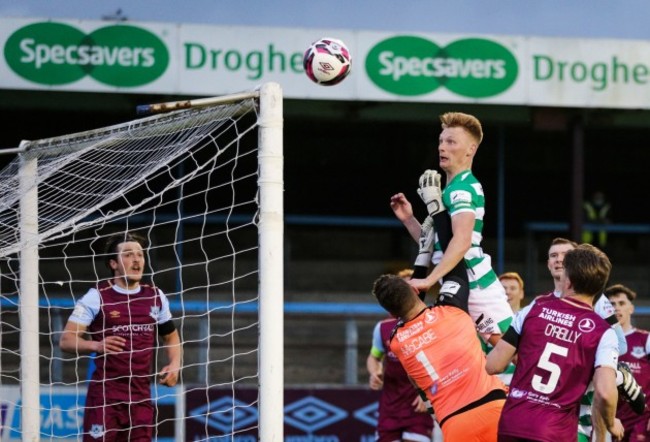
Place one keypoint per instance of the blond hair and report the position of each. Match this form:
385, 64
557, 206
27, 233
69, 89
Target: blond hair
468, 122
512, 275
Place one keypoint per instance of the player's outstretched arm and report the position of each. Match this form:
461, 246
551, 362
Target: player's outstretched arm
404, 212
604, 406
500, 356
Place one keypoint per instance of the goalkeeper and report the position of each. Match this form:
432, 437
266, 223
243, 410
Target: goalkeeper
463, 198
118, 319
437, 347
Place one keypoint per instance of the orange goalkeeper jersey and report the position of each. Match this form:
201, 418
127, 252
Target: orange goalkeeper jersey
441, 352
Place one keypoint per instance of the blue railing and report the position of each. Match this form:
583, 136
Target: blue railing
348, 312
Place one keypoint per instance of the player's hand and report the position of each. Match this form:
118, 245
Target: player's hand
419, 406
421, 285
168, 375
617, 431
376, 381
111, 344
431, 192
425, 243
401, 207
630, 390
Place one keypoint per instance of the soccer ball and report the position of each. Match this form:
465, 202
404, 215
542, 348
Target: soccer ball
327, 61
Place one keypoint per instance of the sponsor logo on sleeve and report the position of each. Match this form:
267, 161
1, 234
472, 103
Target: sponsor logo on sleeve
460, 196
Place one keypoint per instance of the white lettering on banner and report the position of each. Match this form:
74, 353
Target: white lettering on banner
41, 54
216, 60
58, 418
398, 66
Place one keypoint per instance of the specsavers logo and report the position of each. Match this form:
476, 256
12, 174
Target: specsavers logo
471, 67
58, 54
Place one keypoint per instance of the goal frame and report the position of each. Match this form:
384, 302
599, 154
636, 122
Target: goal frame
271, 272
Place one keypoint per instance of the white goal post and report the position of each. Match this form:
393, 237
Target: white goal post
204, 185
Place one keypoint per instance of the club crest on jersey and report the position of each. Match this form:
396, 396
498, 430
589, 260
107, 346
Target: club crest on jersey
96, 431
155, 312
638, 352
586, 325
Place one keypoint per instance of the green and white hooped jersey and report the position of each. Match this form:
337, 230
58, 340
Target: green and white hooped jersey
465, 194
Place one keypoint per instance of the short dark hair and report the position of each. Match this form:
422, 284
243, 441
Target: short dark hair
110, 247
588, 269
394, 294
560, 240
615, 289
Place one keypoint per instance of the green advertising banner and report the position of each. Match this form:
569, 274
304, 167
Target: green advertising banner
215, 60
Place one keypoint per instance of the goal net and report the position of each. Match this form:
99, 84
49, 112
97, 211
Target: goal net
204, 187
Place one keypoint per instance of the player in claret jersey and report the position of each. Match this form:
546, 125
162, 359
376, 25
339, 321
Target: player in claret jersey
558, 248
635, 419
562, 344
118, 320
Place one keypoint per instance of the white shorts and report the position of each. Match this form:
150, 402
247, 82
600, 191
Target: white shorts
490, 310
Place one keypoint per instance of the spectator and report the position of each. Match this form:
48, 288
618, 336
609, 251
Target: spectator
596, 211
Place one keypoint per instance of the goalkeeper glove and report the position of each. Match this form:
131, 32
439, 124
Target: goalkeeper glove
430, 191
630, 389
